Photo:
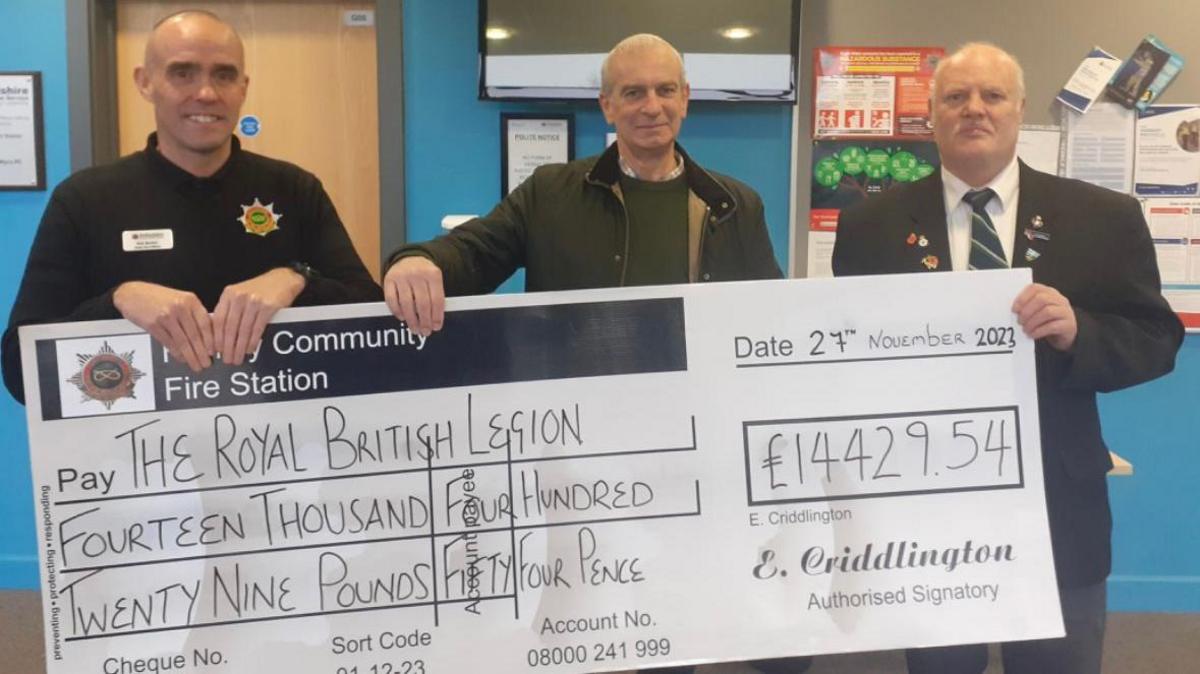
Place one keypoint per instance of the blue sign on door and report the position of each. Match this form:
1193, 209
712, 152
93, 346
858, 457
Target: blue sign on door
250, 126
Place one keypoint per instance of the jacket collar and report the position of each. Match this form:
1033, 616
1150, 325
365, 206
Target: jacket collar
927, 208
606, 172
1036, 204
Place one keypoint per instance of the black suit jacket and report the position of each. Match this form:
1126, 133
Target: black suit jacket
1100, 256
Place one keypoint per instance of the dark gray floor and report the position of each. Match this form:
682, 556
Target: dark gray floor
1137, 643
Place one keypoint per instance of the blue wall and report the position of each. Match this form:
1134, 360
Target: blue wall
1156, 512
452, 166
35, 38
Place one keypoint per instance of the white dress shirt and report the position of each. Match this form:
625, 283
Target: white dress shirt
1002, 209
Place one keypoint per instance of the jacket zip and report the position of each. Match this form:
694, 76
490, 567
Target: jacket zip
625, 212
708, 220
625, 255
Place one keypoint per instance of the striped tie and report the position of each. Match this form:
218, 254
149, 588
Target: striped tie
986, 251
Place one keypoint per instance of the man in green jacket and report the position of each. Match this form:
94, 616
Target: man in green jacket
641, 213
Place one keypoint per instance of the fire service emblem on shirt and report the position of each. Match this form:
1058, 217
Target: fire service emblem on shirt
106, 376
259, 219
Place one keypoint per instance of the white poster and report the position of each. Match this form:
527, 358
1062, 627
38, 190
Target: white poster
1100, 146
820, 253
19, 156
563, 482
1038, 146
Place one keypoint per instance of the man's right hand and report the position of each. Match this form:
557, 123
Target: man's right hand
175, 318
413, 290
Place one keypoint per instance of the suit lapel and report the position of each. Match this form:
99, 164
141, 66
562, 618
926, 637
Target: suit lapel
927, 210
927, 213
1034, 207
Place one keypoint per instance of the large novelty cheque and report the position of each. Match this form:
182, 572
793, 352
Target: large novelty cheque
561, 482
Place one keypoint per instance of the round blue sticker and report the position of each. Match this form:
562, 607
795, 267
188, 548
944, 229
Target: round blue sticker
250, 126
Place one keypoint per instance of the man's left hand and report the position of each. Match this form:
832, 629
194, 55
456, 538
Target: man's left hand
1044, 313
245, 309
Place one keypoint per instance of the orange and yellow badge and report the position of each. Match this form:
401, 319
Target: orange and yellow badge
930, 262
259, 219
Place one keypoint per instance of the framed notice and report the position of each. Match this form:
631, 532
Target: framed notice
22, 151
873, 92
530, 140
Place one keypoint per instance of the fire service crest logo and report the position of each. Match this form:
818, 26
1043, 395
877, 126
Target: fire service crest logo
259, 219
106, 376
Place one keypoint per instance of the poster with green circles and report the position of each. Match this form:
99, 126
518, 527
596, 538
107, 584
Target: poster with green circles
845, 172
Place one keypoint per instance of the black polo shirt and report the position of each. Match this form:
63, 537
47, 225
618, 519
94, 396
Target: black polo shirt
143, 218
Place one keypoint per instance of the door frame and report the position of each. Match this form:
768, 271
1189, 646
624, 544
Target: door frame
92, 101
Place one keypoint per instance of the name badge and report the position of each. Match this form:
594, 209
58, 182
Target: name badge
137, 240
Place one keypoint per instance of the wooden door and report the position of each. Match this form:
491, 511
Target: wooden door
312, 84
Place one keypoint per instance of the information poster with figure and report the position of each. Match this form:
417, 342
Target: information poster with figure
879, 92
1145, 74
558, 482
1168, 151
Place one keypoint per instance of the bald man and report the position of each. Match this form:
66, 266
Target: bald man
193, 239
1095, 308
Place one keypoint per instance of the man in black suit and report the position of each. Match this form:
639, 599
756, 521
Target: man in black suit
1095, 309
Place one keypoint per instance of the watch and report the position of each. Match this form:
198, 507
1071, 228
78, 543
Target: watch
303, 270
